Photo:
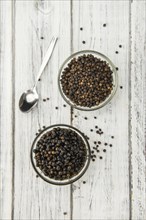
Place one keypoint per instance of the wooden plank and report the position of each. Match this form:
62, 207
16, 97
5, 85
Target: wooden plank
6, 125
34, 198
138, 109
106, 192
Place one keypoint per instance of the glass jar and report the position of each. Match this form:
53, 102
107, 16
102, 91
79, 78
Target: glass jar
66, 181
99, 56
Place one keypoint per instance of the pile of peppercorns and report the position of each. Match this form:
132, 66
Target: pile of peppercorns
60, 153
87, 80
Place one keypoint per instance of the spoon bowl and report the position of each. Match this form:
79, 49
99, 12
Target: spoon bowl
28, 100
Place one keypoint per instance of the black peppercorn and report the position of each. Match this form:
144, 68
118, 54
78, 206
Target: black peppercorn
87, 81
60, 153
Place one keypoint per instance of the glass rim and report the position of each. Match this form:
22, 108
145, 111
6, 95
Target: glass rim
66, 181
107, 100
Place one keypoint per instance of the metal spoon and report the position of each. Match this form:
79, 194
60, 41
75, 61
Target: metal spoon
29, 98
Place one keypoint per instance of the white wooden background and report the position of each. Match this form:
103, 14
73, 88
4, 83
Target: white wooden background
115, 186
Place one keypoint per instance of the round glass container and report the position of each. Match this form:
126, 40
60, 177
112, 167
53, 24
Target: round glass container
66, 181
99, 56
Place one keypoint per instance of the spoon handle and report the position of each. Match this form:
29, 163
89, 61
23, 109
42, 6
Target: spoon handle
46, 58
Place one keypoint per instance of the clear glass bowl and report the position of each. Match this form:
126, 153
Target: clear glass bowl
100, 56
66, 181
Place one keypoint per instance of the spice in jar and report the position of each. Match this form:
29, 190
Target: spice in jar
87, 80
60, 153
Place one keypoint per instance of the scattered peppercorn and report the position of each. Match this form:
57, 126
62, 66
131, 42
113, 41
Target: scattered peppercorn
100, 158
47, 98
104, 150
37, 176
116, 52
110, 145
99, 142
60, 153
81, 28
93, 160
85, 118
39, 79
96, 126
42, 38
65, 213
105, 144
91, 130
87, 80
121, 87
56, 107
84, 182
36, 134
44, 126
112, 137
64, 105
95, 117
83, 42
92, 151
120, 45
104, 25
117, 68
44, 100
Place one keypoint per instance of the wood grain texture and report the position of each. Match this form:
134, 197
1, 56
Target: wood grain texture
115, 186
138, 109
106, 192
34, 198
6, 132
